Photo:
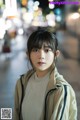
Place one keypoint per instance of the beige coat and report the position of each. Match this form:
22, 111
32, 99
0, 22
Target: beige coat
60, 100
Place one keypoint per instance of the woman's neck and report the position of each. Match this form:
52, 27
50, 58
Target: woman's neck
41, 73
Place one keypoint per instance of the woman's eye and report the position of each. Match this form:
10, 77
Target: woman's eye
35, 50
47, 50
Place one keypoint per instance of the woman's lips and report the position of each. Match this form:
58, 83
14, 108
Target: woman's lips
41, 63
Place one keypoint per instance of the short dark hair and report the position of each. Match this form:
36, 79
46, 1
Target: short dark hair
38, 37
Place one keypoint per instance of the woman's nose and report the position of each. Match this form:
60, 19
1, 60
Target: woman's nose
41, 54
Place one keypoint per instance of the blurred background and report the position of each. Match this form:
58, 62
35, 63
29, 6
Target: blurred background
18, 19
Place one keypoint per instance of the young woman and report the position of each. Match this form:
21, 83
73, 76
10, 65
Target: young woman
42, 93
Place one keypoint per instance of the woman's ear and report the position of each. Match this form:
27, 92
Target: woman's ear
57, 53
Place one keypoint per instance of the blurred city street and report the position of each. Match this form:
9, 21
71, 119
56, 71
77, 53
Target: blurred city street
14, 64
18, 19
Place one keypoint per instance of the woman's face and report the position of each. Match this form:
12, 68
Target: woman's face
42, 59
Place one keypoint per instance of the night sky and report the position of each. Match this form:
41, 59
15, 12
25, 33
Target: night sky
44, 3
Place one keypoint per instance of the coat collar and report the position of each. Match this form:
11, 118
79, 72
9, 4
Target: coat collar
52, 81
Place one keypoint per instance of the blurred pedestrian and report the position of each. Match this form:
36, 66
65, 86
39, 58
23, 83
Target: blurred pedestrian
6, 46
42, 93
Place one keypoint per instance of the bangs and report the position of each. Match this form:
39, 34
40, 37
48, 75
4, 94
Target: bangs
41, 40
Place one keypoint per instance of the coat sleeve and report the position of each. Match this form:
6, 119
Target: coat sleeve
17, 101
64, 104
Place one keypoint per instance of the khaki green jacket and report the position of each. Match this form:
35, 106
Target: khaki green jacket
60, 100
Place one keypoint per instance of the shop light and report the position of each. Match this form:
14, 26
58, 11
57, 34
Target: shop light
51, 6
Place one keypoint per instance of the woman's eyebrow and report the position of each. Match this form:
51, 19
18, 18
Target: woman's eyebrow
47, 46
35, 47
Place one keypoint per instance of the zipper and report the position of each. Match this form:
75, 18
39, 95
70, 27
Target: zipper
48, 93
